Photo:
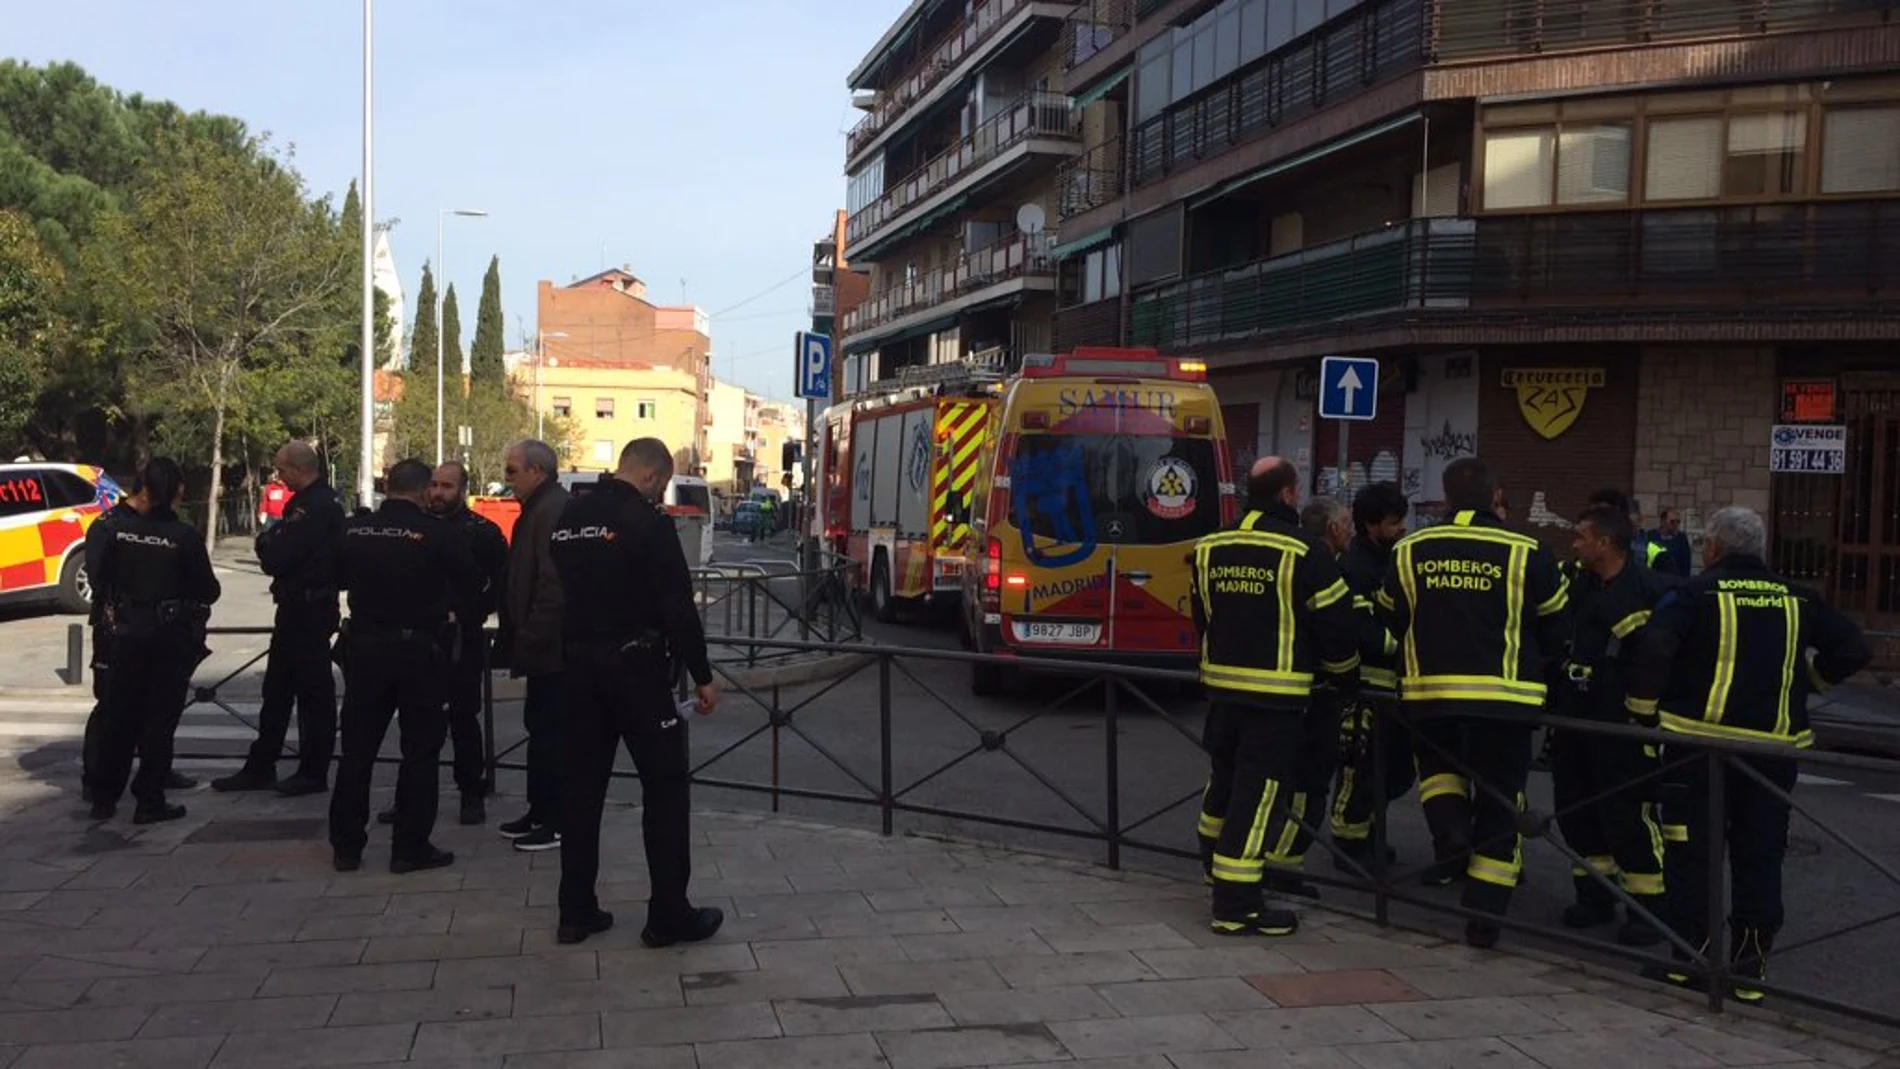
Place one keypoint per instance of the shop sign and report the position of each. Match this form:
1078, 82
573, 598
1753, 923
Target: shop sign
1551, 398
1808, 449
1807, 401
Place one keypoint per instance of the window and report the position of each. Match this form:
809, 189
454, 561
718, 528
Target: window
603, 408
1593, 164
646, 408
1102, 274
1154, 247
66, 490
1518, 168
1152, 80
1765, 154
1253, 30
1685, 159
865, 187
1227, 41
21, 492
603, 452
563, 407
1860, 150
1435, 193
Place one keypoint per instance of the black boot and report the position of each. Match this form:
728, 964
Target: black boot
1679, 974
1594, 905
1637, 932
1450, 860
1748, 960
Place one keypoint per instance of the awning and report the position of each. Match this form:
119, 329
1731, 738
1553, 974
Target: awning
1104, 87
1318, 152
1083, 244
898, 35
874, 339
869, 250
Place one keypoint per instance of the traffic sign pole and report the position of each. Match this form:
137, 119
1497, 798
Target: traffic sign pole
1345, 430
1348, 392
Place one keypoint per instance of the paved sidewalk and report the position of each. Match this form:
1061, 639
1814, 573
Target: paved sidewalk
225, 940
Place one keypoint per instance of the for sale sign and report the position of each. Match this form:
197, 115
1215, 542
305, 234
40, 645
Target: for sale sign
1809, 449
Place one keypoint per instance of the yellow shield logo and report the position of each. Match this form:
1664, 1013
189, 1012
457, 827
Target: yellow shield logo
1551, 399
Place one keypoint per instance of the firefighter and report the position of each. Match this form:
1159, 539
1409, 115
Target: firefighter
1475, 608
1617, 834
1733, 653
1378, 517
1274, 617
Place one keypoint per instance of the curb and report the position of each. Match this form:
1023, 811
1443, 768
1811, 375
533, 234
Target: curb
763, 677
1857, 736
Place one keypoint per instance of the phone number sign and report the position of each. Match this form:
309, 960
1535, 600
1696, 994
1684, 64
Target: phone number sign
1809, 449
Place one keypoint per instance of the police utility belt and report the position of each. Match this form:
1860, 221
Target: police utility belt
170, 613
445, 636
646, 648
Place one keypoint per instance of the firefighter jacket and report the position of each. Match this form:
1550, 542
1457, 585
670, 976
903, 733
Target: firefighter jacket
1607, 619
1273, 613
1364, 566
1734, 653
1477, 610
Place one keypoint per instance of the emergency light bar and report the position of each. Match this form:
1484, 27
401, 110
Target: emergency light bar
1138, 363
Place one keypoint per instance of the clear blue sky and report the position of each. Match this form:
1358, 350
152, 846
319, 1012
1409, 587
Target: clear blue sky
698, 140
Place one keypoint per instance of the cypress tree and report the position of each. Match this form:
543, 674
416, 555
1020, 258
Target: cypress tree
486, 365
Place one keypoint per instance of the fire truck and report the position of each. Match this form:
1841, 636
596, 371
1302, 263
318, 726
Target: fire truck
898, 466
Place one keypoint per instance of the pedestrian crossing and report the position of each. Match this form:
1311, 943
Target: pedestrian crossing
27, 724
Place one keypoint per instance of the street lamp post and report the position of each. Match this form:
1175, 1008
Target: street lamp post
366, 453
441, 288
541, 357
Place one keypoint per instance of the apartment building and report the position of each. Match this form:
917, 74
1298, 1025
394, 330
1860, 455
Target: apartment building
1600, 242
610, 403
951, 193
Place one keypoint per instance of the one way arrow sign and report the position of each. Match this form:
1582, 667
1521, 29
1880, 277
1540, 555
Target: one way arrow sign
1348, 388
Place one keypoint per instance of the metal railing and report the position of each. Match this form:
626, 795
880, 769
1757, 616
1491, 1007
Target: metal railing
1466, 30
1032, 115
1835, 254
1016, 256
1092, 179
762, 600
958, 44
1095, 323
1092, 27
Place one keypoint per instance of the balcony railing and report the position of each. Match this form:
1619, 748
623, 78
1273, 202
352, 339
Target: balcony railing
1013, 257
1044, 115
1095, 323
1594, 264
1090, 180
1093, 26
962, 40
1341, 59
1490, 27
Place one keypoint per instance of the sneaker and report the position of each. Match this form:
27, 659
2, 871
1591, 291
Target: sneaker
246, 779
300, 785
473, 810
515, 829
577, 932
702, 925
429, 859
156, 814
1265, 921
541, 838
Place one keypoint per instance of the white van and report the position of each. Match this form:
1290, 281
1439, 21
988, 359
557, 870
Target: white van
689, 501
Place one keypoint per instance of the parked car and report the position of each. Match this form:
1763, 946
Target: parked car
747, 516
45, 510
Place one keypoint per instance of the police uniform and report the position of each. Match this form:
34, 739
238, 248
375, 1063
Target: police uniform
474, 603
98, 536
156, 586
401, 568
1358, 797
1476, 610
1617, 833
1274, 617
300, 556
1733, 653
629, 619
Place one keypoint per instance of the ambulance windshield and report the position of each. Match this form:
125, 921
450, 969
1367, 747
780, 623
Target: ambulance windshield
1114, 489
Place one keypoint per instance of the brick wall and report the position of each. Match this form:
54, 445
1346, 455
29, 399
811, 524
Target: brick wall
1702, 423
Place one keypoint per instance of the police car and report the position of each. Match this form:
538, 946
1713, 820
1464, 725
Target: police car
45, 510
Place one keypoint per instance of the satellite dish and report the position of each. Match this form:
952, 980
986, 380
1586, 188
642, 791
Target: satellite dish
1030, 219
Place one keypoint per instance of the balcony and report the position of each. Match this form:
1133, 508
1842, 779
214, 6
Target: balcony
1095, 323
977, 276
1090, 180
964, 42
1092, 27
1728, 263
1034, 122
1468, 29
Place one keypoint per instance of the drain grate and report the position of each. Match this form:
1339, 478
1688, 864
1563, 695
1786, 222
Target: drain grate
258, 831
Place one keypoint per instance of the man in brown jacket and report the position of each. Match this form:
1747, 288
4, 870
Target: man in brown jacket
529, 641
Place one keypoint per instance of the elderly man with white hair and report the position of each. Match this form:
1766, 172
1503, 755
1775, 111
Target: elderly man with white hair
1733, 654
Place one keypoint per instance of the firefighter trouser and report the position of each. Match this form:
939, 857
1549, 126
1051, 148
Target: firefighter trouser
1476, 820
1618, 833
1250, 807
1319, 758
1756, 822
1356, 798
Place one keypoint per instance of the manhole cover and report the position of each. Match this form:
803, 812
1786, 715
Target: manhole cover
258, 831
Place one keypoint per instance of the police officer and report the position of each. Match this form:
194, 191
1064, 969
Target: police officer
1477, 610
98, 537
401, 568
1378, 519
1274, 615
1618, 835
629, 621
1733, 653
448, 502
159, 588
300, 555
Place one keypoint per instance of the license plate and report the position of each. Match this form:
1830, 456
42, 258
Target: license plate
1065, 634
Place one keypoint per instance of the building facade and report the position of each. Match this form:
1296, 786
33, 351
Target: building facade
1603, 244
951, 185
610, 403
731, 438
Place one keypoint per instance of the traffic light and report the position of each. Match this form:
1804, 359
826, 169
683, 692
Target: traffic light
789, 457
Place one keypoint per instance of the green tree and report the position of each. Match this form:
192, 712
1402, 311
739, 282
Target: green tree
452, 359
229, 272
422, 341
30, 289
486, 356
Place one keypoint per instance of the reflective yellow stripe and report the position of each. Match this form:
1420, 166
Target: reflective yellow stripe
1650, 825
1627, 625
1684, 725
1382, 678
1470, 688
1643, 883
1267, 539
1556, 602
1483, 534
1210, 827
1675, 833
1514, 595
1340, 668
1384, 601
1248, 521
1329, 596
1650, 552
1290, 835
1603, 864
1791, 643
1391, 644
1359, 602
1408, 585
1341, 827
1643, 707
1288, 619
1257, 831
1234, 870
1442, 784
1257, 680
1724, 677
1491, 870
1464, 518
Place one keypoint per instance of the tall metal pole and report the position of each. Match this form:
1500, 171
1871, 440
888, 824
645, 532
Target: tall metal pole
540, 357
366, 460
439, 284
